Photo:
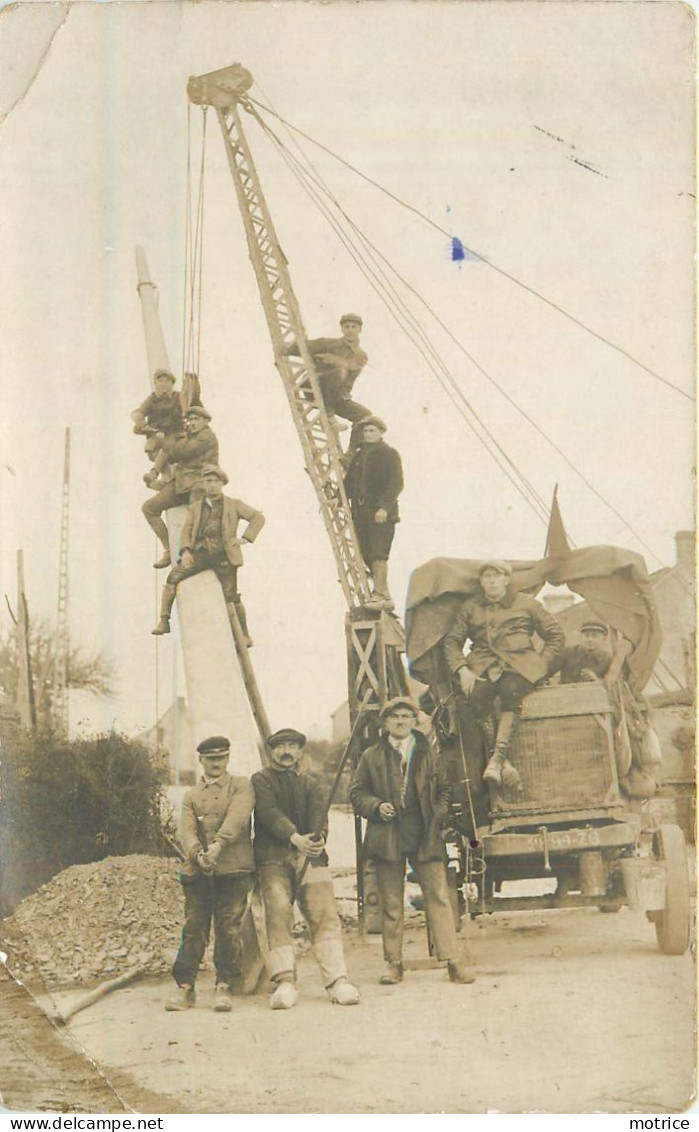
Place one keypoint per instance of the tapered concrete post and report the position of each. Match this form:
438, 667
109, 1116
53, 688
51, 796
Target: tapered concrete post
156, 349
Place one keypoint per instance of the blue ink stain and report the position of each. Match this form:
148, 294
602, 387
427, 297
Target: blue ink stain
458, 251
448, 208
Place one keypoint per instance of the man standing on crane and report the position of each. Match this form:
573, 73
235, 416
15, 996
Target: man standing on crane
503, 663
209, 541
373, 483
403, 794
291, 821
338, 363
189, 453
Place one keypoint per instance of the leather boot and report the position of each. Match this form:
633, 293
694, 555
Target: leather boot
500, 770
166, 603
379, 572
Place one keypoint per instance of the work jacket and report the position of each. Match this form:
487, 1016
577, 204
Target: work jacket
220, 812
190, 453
578, 659
234, 510
378, 779
502, 632
375, 479
286, 802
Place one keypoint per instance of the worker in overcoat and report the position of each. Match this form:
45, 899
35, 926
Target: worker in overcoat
402, 791
503, 663
373, 482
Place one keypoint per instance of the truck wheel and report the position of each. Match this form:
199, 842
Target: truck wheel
673, 923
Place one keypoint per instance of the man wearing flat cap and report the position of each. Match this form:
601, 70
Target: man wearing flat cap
403, 793
291, 827
210, 541
216, 876
373, 483
189, 454
590, 660
158, 417
338, 363
503, 664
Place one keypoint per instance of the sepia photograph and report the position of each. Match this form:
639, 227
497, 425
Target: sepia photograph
347, 557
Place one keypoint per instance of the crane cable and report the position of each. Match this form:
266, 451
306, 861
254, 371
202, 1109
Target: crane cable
477, 255
193, 256
401, 313
477, 364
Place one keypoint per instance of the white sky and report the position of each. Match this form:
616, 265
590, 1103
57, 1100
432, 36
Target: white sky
438, 102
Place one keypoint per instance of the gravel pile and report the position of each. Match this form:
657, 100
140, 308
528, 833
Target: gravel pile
92, 922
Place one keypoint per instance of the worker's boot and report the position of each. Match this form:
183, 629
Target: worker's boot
343, 992
166, 603
459, 972
393, 974
336, 423
182, 999
284, 996
239, 608
381, 598
500, 771
223, 1002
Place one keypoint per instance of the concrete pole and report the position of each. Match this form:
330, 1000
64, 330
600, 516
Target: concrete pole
156, 349
24, 692
216, 695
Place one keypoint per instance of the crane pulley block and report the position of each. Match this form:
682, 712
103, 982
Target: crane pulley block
220, 89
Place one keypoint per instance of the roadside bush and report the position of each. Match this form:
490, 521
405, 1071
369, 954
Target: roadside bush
68, 802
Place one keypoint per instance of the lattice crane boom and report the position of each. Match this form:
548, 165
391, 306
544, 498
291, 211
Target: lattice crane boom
226, 91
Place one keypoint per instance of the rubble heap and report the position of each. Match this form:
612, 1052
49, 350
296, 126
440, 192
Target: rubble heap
92, 922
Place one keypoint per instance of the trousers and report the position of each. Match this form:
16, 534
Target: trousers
510, 687
432, 878
338, 398
222, 899
316, 899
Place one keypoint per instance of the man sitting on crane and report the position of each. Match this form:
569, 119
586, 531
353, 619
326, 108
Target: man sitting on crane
503, 663
209, 542
373, 483
338, 363
189, 453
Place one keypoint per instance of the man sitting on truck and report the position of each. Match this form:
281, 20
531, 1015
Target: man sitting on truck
503, 663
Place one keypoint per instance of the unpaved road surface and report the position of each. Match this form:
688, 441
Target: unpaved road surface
573, 1011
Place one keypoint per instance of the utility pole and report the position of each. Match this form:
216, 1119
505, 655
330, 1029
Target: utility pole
60, 670
25, 692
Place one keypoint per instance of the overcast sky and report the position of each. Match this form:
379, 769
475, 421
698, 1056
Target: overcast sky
555, 139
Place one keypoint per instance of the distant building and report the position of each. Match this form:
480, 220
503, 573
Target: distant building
173, 737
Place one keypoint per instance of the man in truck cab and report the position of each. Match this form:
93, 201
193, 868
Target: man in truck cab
503, 664
590, 660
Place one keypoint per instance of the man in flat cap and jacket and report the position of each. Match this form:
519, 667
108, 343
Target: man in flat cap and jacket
403, 793
158, 417
338, 363
216, 876
373, 483
503, 663
210, 541
590, 660
291, 827
189, 454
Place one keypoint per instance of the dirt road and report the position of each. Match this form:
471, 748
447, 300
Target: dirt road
572, 1012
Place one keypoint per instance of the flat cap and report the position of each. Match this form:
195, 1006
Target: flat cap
375, 421
286, 735
214, 745
495, 564
164, 373
594, 626
351, 318
399, 702
198, 411
214, 470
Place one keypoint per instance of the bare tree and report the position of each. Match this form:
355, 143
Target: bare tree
88, 672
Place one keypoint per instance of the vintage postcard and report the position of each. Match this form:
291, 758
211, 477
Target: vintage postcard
347, 499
